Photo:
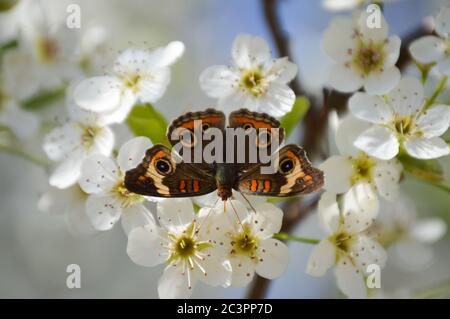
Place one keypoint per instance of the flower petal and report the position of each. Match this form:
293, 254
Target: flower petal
370, 31
427, 49
99, 94
267, 220
383, 81
243, 271
282, 69
370, 108
176, 283
99, 174
442, 26
132, 152
338, 39
278, 100
136, 216
175, 214
428, 230
366, 251
345, 79
67, 172
426, 148
329, 213
219, 81
350, 279
145, 245
392, 51
321, 259
387, 175
379, 142
103, 142
338, 171
152, 89
103, 210
61, 141
273, 258
408, 97
444, 66
250, 51
217, 270
168, 55
348, 130
435, 121
359, 207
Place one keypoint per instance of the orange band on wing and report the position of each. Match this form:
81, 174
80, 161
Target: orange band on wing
195, 185
182, 186
266, 186
254, 185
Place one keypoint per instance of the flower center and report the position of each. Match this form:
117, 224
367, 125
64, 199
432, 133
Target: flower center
369, 57
244, 243
47, 49
127, 198
343, 241
131, 81
404, 126
88, 136
186, 245
253, 81
362, 168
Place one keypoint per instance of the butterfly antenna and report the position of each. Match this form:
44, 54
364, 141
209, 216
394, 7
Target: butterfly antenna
206, 217
237, 216
248, 202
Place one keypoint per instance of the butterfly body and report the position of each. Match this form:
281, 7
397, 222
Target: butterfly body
165, 173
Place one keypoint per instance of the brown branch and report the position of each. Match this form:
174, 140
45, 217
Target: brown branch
280, 37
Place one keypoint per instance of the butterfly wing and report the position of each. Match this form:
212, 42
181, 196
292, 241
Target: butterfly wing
294, 175
263, 136
163, 174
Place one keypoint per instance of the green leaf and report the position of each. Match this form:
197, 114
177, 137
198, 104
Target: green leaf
6, 5
144, 120
44, 99
430, 170
291, 119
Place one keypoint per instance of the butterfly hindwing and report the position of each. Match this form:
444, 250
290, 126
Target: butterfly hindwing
294, 176
160, 175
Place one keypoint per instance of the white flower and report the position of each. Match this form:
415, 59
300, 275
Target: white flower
11, 18
181, 243
401, 120
138, 75
23, 124
255, 80
407, 236
346, 247
51, 47
245, 237
109, 200
71, 203
435, 49
364, 56
85, 134
357, 174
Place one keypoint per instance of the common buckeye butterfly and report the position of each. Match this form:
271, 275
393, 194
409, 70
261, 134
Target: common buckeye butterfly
162, 173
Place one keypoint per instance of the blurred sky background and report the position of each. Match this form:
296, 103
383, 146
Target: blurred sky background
35, 248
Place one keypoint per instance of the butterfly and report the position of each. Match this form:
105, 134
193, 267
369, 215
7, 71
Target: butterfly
164, 173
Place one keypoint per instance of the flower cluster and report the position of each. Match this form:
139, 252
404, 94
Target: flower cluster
394, 126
